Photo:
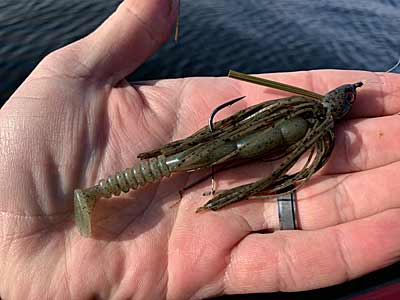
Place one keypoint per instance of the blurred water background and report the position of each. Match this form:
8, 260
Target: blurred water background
250, 36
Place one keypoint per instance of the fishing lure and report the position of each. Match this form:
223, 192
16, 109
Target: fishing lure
283, 128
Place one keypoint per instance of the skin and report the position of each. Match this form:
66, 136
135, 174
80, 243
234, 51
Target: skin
75, 120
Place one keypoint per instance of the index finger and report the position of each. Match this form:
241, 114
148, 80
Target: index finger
380, 95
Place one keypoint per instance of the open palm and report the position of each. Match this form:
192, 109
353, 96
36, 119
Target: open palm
75, 120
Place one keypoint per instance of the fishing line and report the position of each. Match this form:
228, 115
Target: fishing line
390, 70
394, 67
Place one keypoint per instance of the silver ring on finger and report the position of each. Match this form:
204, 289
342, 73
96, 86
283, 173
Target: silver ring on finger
287, 211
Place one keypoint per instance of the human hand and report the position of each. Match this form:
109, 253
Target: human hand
75, 120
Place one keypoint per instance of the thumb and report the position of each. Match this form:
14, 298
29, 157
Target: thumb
134, 32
